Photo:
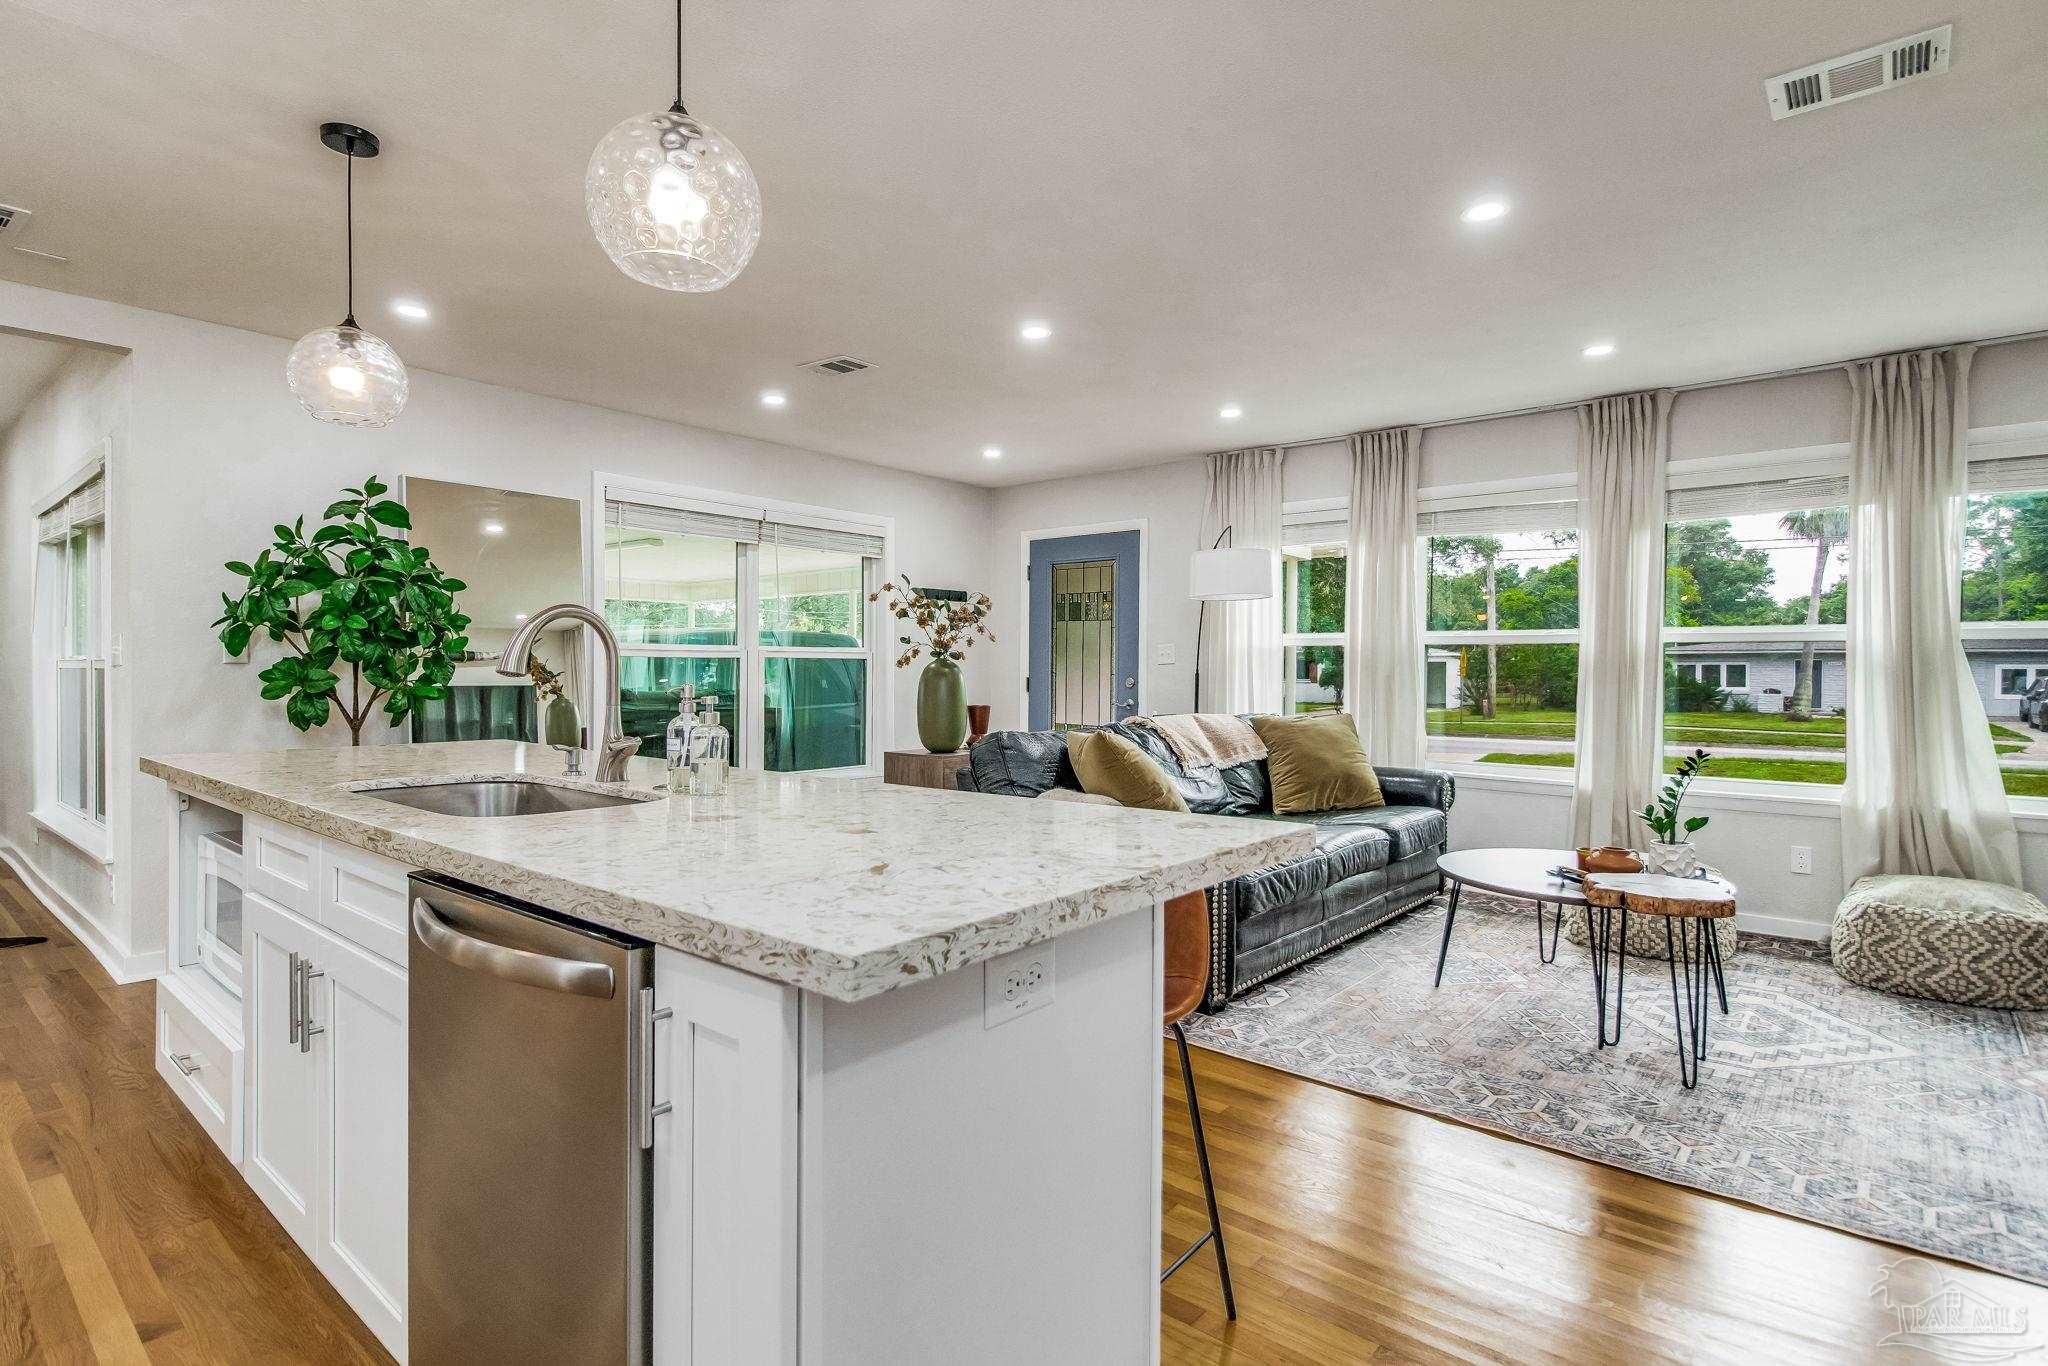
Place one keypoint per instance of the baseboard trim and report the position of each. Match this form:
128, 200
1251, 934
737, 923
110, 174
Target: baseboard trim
1783, 927
122, 966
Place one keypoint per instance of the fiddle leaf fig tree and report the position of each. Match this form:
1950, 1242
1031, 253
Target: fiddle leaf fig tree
351, 601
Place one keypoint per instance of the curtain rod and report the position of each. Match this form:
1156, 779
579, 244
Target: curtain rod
1675, 388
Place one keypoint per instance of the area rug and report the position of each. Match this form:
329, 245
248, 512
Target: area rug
1906, 1121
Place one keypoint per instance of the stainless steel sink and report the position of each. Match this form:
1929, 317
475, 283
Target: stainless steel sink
501, 797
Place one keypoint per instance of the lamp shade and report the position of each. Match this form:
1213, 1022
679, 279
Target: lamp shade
1232, 574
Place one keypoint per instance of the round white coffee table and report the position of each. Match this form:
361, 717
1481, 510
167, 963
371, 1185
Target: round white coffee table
1522, 873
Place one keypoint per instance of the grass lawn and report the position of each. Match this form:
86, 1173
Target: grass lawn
2019, 782
1702, 729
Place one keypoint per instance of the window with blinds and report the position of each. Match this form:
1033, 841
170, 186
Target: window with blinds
764, 609
69, 692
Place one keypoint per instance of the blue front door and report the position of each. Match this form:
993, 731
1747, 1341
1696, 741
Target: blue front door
1084, 630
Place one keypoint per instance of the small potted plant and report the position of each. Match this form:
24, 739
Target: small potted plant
949, 628
1672, 852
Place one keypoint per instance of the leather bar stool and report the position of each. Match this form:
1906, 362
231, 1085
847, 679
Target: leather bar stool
1187, 978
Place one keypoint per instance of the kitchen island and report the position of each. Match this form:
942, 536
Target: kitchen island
867, 1144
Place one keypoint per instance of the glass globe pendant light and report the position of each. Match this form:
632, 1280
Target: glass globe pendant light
671, 200
342, 374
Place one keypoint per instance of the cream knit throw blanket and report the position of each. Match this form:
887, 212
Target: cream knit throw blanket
1207, 739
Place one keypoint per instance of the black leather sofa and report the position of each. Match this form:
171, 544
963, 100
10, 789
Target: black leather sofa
1369, 865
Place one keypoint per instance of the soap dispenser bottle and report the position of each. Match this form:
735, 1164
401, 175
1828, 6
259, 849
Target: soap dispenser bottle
710, 753
681, 732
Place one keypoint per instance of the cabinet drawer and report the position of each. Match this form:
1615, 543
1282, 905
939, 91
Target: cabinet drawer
202, 1064
283, 863
363, 899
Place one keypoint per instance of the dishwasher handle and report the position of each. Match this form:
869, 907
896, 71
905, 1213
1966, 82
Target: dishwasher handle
570, 975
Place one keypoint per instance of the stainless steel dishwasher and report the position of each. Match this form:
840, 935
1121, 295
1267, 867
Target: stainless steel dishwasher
530, 1141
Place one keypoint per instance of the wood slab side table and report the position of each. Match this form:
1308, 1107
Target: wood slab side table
920, 768
1690, 904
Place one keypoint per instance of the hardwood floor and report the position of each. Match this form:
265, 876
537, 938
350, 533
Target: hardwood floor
1358, 1231
125, 1236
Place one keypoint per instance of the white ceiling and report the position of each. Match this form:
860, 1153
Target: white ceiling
1209, 201
26, 365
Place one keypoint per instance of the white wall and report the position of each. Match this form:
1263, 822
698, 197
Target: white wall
81, 410
217, 451
1750, 838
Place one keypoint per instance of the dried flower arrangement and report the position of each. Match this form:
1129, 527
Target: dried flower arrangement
949, 628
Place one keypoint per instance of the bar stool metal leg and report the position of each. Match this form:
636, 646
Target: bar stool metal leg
1215, 1233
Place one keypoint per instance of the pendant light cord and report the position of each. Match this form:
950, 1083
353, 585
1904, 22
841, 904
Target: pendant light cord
679, 59
349, 199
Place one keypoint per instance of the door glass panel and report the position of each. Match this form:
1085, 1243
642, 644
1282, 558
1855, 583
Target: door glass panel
811, 597
647, 694
663, 589
1083, 644
814, 713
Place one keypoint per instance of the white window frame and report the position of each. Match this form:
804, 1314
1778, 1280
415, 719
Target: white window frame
87, 829
1484, 501
2029, 676
1304, 525
751, 654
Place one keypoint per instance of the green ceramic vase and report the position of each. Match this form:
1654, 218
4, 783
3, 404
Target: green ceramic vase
560, 723
941, 707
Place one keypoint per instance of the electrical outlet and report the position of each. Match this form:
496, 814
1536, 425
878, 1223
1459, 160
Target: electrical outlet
1015, 984
1162, 654
1802, 859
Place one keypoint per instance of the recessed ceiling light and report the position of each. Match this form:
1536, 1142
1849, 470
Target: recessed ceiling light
493, 528
1035, 331
411, 308
1485, 211
1230, 412
1598, 350
991, 452
773, 398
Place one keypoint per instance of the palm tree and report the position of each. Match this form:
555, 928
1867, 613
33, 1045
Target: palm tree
1826, 528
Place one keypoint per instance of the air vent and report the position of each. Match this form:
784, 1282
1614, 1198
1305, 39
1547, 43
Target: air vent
11, 217
838, 365
1858, 73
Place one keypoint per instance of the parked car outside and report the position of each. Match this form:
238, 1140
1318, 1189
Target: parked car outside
2034, 705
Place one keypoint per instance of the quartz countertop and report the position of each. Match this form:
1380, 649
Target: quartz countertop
843, 886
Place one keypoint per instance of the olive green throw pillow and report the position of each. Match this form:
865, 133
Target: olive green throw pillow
1316, 763
1112, 766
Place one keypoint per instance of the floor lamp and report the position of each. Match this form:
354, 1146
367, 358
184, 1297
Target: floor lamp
1225, 573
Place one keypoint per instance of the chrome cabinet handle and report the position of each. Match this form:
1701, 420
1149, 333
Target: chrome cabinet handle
307, 1029
574, 976
649, 1111
291, 996
184, 1063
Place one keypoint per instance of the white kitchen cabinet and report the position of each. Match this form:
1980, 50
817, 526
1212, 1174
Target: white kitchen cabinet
725, 1165
325, 1028
282, 1105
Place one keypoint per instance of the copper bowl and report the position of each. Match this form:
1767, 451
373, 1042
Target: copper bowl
1609, 859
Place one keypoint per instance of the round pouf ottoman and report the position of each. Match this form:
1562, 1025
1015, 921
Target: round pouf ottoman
1645, 937
1945, 939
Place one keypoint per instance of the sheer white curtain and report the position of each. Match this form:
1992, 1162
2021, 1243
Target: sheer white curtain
1383, 612
1624, 443
1240, 659
1923, 792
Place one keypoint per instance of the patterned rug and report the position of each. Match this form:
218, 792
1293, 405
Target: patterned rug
1914, 1123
